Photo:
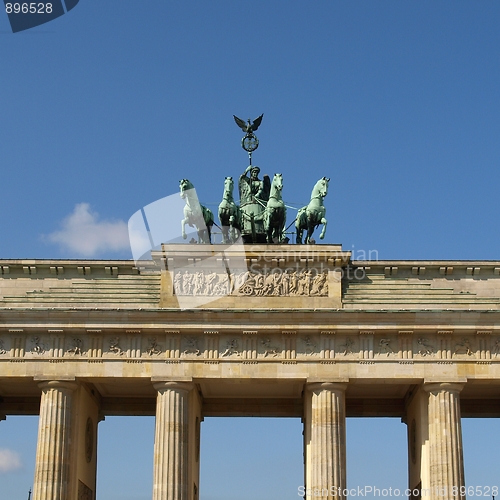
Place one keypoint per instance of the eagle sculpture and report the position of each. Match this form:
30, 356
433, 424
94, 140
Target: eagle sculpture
248, 128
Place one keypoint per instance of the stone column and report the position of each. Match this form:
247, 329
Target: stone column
326, 439
446, 465
170, 468
52, 467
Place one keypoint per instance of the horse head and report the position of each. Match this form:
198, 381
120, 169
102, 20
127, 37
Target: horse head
184, 185
228, 185
321, 187
278, 181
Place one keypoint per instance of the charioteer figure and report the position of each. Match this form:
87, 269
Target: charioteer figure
254, 195
257, 191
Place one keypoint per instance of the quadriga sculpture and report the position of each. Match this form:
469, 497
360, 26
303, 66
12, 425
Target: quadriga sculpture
195, 214
311, 216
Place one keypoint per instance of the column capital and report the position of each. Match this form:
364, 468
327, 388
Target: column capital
326, 386
443, 386
174, 385
58, 384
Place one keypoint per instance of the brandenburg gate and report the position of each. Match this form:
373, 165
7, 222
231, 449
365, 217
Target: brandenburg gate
261, 330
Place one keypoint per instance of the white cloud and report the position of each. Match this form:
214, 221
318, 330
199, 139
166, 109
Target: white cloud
9, 460
83, 233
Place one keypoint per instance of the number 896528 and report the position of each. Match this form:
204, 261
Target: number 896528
29, 8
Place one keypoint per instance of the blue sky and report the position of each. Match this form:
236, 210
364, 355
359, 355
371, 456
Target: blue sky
104, 109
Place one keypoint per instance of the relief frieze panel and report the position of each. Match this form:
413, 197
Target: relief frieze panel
246, 283
401, 346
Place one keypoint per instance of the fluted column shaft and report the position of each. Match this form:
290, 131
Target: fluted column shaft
170, 474
328, 438
445, 441
54, 439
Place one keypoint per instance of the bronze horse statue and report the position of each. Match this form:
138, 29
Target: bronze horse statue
195, 214
275, 212
311, 216
229, 214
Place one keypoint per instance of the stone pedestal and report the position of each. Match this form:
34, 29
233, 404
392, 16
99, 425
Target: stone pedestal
325, 439
170, 474
52, 472
446, 466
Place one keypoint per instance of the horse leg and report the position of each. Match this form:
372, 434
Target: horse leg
298, 239
310, 230
271, 230
323, 231
281, 231
225, 234
299, 235
183, 228
202, 236
232, 232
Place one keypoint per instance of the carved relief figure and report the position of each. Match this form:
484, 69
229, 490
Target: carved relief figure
293, 283
425, 349
268, 285
239, 280
310, 346
192, 346
222, 285
463, 347
269, 349
38, 347
231, 348
154, 348
198, 283
114, 346
178, 284
77, 347
384, 347
187, 283
210, 281
496, 347
318, 284
304, 283
285, 282
347, 346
